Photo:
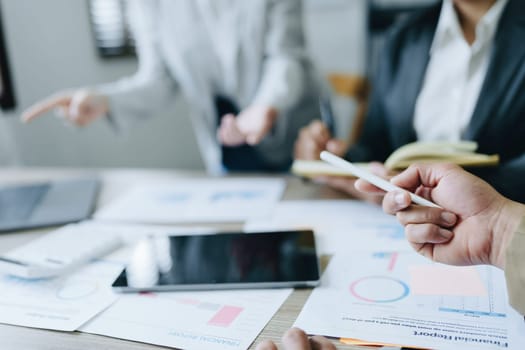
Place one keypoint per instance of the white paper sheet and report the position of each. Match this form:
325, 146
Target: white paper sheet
67, 302
132, 233
191, 320
369, 296
216, 200
339, 225
63, 303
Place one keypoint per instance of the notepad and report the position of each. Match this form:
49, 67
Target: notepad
462, 153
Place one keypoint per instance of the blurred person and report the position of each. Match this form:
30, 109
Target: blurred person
240, 64
451, 72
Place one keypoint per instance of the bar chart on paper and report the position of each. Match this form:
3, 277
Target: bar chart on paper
214, 314
190, 320
200, 200
402, 298
339, 226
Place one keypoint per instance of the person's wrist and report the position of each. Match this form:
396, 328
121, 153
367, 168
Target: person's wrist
272, 113
102, 101
507, 220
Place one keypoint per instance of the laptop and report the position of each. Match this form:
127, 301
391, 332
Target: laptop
46, 204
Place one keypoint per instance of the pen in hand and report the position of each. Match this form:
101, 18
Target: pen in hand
327, 115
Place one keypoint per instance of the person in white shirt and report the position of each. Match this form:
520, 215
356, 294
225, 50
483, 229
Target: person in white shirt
243, 59
451, 72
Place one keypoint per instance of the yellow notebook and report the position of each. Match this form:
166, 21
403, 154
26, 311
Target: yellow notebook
462, 153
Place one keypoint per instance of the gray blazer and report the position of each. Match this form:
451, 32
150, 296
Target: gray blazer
498, 121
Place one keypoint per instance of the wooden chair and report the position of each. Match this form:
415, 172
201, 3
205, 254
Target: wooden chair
358, 88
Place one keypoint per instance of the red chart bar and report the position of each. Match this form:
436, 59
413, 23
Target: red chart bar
225, 316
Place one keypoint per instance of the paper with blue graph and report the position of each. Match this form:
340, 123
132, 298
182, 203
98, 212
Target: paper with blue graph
404, 299
63, 303
196, 201
339, 225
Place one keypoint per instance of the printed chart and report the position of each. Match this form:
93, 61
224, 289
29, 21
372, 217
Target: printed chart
190, 320
219, 200
403, 298
339, 226
63, 303
220, 315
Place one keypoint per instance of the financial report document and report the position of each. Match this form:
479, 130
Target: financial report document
404, 299
215, 320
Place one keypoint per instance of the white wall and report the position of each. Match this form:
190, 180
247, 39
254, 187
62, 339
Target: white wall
51, 48
336, 35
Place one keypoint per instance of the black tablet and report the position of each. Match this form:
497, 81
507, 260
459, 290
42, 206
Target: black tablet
222, 261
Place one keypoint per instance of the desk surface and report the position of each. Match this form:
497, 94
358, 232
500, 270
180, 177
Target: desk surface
115, 182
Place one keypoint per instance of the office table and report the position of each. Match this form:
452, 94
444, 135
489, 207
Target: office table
114, 183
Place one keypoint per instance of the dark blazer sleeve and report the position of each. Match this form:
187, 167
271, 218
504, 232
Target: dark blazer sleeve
373, 143
395, 87
498, 121
508, 178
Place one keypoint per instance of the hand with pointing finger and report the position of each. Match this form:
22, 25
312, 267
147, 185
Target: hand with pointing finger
80, 107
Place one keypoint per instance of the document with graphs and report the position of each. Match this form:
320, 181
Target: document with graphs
196, 201
64, 303
340, 226
191, 320
406, 300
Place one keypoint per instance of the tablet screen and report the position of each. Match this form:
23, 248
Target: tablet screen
222, 261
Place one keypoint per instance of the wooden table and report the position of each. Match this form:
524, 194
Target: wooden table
114, 183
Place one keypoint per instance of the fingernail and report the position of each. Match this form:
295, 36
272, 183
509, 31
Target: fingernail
449, 218
400, 198
446, 234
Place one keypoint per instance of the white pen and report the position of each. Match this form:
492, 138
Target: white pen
372, 178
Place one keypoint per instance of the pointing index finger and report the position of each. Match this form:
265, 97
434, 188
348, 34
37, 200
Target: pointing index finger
45, 106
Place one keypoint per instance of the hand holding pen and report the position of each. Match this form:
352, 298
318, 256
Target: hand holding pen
318, 136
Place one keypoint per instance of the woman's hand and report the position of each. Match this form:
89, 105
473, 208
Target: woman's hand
80, 107
250, 126
315, 138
